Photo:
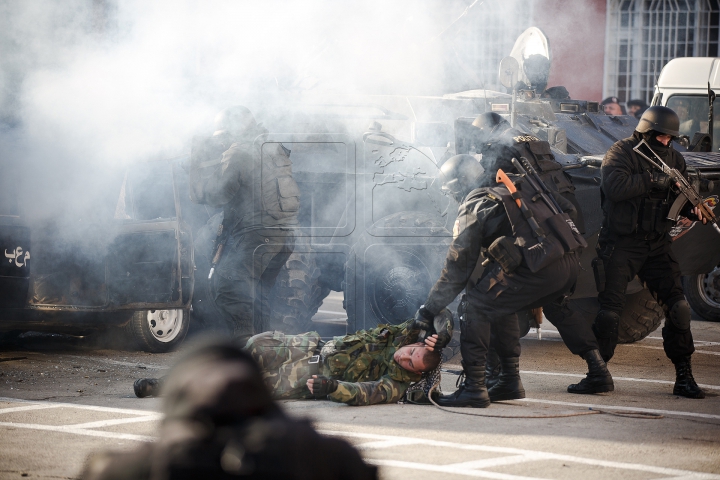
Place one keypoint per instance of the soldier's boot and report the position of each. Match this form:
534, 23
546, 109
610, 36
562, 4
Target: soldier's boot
509, 385
148, 387
492, 369
685, 385
597, 379
605, 329
472, 392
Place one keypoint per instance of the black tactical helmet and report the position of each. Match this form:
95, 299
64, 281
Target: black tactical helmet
659, 119
234, 120
460, 175
486, 123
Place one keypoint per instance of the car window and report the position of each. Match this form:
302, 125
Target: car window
693, 113
146, 193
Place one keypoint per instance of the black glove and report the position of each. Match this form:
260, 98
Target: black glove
424, 322
443, 326
323, 386
659, 180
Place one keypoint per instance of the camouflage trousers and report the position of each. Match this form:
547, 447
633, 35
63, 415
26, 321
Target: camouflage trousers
286, 361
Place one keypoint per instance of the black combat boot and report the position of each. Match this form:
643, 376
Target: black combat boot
598, 377
471, 393
492, 369
509, 385
685, 385
605, 329
148, 387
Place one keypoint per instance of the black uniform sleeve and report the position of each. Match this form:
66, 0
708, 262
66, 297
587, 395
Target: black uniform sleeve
464, 251
618, 180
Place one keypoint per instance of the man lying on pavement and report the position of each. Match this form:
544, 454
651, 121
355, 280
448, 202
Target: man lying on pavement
364, 368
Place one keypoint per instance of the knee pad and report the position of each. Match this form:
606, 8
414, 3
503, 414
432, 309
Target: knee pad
606, 323
679, 315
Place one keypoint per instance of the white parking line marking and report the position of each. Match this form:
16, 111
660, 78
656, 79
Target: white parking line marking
706, 352
627, 379
95, 408
447, 469
26, 408
386, 443
618, 407
703, 343
117, 421
539, 455
496, 462
79, 431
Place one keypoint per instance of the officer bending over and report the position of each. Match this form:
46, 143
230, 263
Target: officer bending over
634, 240
221, 423
490, 219
365, 368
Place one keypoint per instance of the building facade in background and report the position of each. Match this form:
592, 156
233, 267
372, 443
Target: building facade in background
643, 35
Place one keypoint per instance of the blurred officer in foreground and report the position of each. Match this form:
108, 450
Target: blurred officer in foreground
256, 236
634, 240
367, 367
221, 423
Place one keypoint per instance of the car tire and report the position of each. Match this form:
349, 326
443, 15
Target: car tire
298, 293
703, 294
158, 331
388, 277
641, 316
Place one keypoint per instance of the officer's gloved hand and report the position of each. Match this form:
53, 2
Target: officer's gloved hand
659, 180
443, 324
320, 386
424, 322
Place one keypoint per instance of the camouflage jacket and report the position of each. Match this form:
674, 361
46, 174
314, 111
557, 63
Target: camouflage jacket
363, 363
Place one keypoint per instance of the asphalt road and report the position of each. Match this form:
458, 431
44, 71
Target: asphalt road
61, 400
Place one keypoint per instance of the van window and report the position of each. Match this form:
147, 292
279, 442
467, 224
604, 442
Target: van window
693, 113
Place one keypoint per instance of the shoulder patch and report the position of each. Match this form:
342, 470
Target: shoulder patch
525, 138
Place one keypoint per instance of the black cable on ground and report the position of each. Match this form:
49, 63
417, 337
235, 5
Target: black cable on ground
617, 413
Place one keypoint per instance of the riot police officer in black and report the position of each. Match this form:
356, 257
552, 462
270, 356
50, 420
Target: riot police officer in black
490, 220
634, 240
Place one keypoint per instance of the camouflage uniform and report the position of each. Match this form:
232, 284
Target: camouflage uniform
362, 362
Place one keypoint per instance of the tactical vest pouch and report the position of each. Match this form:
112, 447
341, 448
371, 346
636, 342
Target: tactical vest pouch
548, 167
564, 228
543, 254
653, 215
280, 192
504, 251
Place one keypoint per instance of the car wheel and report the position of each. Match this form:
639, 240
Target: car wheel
703, 294
159, 331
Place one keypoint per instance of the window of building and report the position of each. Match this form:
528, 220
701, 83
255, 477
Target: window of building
643, 35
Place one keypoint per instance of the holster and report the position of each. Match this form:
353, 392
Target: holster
598, 267
504, 251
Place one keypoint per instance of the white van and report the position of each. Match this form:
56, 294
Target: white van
683, 86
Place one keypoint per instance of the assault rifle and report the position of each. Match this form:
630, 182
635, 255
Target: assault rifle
688, 193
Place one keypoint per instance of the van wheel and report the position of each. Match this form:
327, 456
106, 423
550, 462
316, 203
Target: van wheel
641, 316
703, 294
158, 331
